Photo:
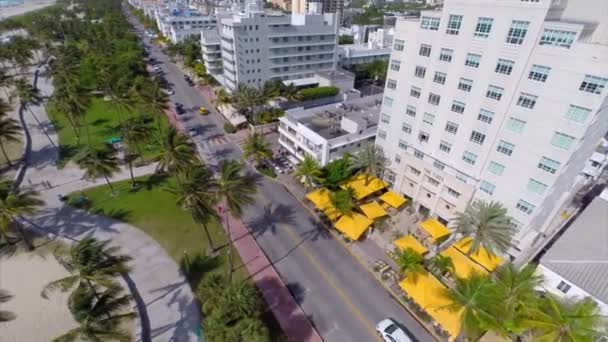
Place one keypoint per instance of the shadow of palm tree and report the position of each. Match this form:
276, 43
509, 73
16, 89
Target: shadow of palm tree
116, 214
272, 215
195, 267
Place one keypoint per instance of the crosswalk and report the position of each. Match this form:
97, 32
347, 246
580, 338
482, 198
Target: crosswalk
215, 141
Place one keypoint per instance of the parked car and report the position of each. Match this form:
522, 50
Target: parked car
192, 132
203, 110
179, 108
186, 77
389, 331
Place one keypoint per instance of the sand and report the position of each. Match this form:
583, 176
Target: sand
27, 6
38, 319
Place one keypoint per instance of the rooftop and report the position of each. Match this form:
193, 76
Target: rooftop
580, 255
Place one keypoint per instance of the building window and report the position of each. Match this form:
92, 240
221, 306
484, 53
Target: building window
485, 116
539, 73
453, 193
549, 165
410, 110
562, 140
414, 171
487, 187
454, 23
505, 147
439, 77
425, 50
429, 23
504, 66
432, 181
494, 92
465, 84
477, 137
428, 118
515, 125
397, 159
391, 84
418, 154
527, 100
385, 118
472, 60
524, 207
557, 38
446, 55
415, 92
496, 168
398, 45
406, 128
451, 127
420, 71
536, 186
388, 101
593, 84
381, 134
469, 157
577, 114
458, 107
402, 144
445, 146
438, 165
423, 137
563, 286
395, 65
517, 32
483, 27
434, 99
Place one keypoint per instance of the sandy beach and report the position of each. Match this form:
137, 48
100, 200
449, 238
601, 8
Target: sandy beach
27, 6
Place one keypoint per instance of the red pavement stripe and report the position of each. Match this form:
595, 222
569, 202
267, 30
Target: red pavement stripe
285, 309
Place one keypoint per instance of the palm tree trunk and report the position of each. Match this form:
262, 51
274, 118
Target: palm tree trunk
109, 184
211, 245
230, 257
28, 243
131, 172
141, 153
8, 161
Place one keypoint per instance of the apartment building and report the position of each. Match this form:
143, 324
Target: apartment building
257, 46
498, 100
179, 23
327, 6
353, 54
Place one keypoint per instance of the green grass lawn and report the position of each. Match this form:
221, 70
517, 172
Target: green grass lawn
103, 123
14, 150
153, 209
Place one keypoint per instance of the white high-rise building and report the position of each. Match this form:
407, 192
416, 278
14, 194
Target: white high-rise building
498, 100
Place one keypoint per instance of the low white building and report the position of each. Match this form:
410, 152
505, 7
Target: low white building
353, 54
178, 23
327, 132
382, 37
577, 264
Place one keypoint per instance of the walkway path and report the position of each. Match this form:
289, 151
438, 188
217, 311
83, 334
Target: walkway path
165, 303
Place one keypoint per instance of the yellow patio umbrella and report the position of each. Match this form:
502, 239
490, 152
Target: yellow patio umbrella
463, 266
483, 257
353, 225
435, 229
393, 199
409, 241
373, 210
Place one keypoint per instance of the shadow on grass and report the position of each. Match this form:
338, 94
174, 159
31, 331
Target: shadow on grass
196, 267
66, 153
117, 214
100, 121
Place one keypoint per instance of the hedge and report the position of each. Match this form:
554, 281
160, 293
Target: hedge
318, 92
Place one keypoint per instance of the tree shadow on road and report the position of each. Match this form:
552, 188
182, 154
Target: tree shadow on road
273, 215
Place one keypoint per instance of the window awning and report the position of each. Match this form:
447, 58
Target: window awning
483, 256
410, 242
435, 229
364, 185
373, 210
393, 199
353, 225
463, 266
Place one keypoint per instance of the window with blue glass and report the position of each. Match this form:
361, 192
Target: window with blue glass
559, 38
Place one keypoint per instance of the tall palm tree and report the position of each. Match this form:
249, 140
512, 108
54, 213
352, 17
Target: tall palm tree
73, 101
157, 102
195, 194
442, 264
178, 152
291, 93
257, 148
139, 132
476, 300
222, 99
6, 316
371, 161
90, 262
98, 162
100, 316
487, 224
342, 201
235, 190
10, 131
28, 95
410, 263
13, 204
6, 82
565, 320
308, 171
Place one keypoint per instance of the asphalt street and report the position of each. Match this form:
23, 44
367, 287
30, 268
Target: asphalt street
340, 297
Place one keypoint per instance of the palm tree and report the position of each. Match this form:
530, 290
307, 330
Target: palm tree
487, 224
517, 291
195, 194
222, 99
90, 262
10, 130
371, 161
178, 152
257, 148
28, 95
156, 101
236, 191
6, 81
98, 162
291, 93
308, 171
410, 262
565, 321
100, 316
342, 201
13, 204
476, 301
6, 316
271, 90
442, 264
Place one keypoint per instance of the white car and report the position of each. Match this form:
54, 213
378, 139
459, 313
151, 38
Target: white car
192, 132
391, 332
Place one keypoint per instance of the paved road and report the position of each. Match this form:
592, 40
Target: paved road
340, 297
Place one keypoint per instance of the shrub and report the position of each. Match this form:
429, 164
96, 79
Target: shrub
266, 171
318, 92
268, 116
229, 128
